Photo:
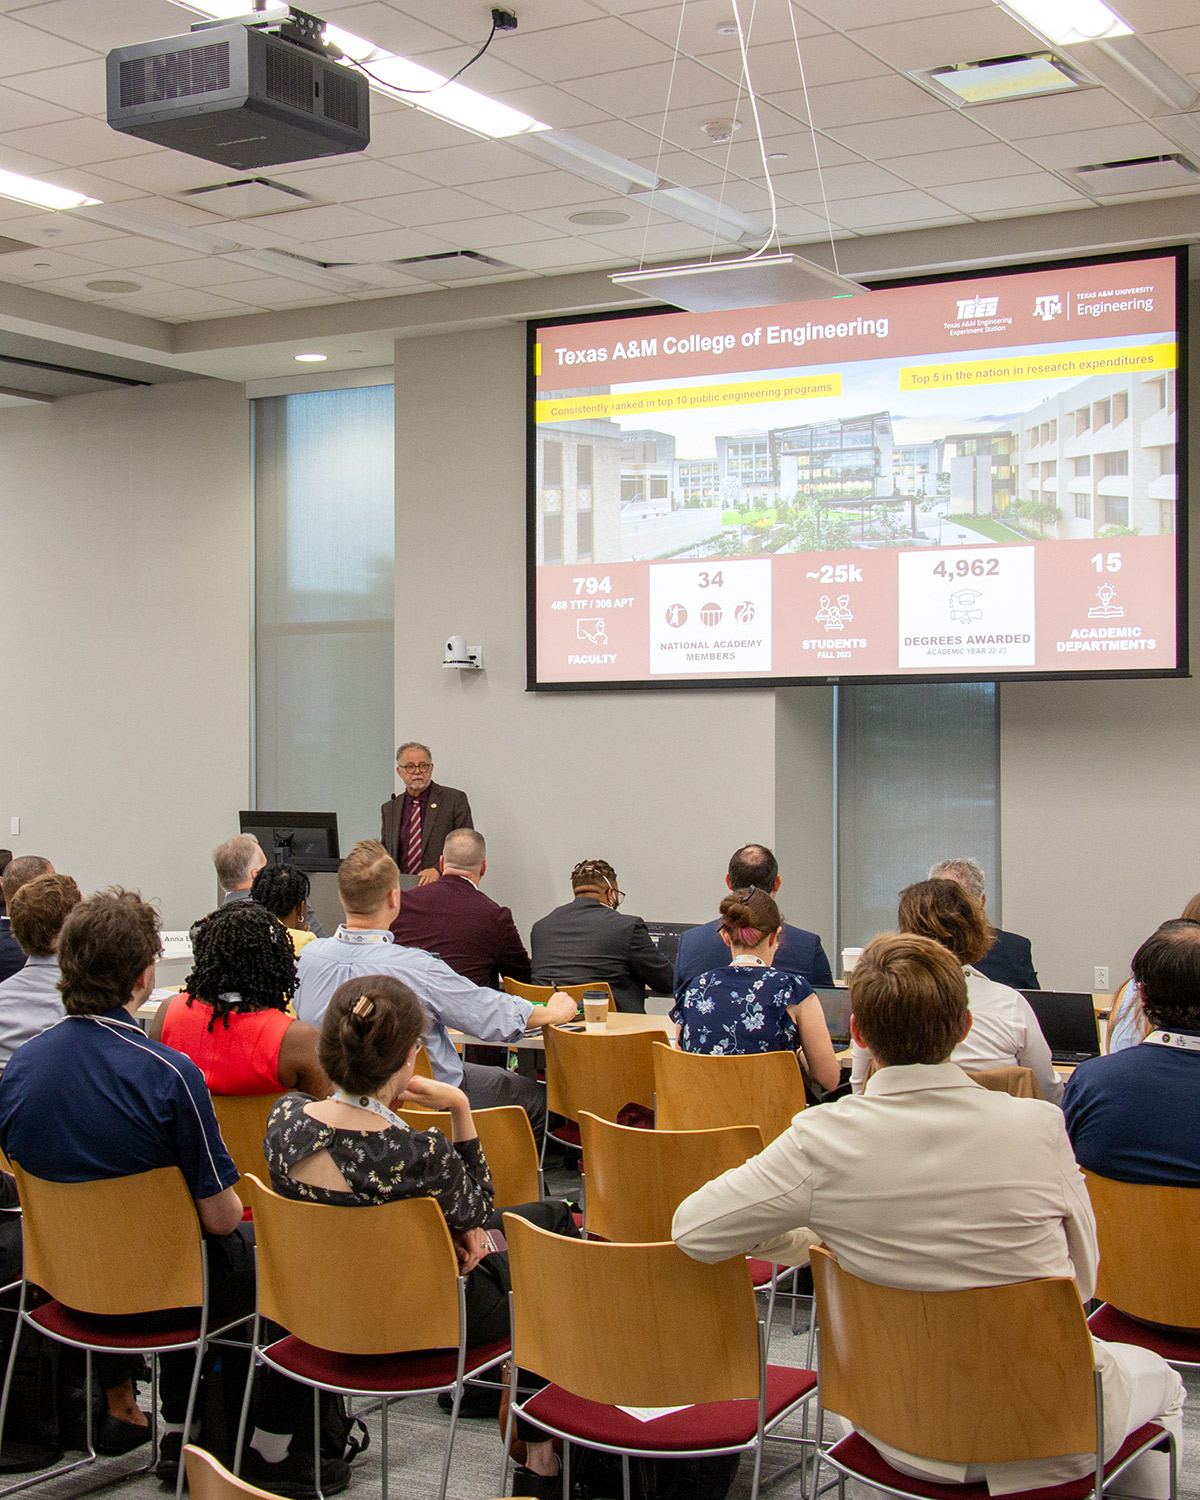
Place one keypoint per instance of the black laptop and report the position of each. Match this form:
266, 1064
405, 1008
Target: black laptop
836, 1005
1068, 1022
665, 937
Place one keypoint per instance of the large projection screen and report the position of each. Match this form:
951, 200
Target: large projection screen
967, 478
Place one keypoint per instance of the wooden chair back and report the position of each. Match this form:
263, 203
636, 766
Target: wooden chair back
642, 1325
506, 1137
989, 1374
209, 1479
118, 1246
598, 1071
636, 1179
696, 1091
538, 994
1020, 1083
242, 1119
357, 1280
1149, 1249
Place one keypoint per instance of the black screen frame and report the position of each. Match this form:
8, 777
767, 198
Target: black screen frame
767, 682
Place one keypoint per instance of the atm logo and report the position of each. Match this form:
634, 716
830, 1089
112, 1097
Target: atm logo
977, 307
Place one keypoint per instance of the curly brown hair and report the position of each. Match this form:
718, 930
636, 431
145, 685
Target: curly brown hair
944, 911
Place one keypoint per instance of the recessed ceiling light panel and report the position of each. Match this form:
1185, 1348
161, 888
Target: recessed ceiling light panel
1065, 22
997, 79
311, 359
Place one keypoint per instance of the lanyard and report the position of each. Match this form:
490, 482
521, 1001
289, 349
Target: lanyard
365, 1101
345, 935
748, 961
1185, 1040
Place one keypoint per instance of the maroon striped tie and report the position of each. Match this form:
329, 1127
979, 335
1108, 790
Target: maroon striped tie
412, 849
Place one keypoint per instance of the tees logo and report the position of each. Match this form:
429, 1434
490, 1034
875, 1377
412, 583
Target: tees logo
977, 307
1048, 308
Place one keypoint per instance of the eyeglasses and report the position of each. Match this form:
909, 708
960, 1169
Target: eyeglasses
416, 765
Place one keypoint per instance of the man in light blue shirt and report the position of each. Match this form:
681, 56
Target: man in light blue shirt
30, 999
369, 888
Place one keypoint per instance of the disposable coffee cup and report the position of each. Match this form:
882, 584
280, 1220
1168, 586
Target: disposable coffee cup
595, 1010
850, 956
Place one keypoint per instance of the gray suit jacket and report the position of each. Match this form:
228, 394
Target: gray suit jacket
586, 940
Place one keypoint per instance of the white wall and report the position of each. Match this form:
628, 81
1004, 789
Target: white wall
665, 785
125, 673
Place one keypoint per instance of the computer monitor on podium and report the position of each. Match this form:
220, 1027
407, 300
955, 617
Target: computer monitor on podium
305, 840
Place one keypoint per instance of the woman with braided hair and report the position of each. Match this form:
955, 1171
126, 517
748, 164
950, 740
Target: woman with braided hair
232, 1017
284, 893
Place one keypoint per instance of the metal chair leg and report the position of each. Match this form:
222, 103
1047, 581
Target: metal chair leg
458, 1394
317, 1443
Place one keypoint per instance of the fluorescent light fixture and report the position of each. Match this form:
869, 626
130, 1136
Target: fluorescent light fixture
1144, 64
585, 160
1066, 22
310, 359
150, 228
295, 268
753, 281
40, 194
704, 212
998, 78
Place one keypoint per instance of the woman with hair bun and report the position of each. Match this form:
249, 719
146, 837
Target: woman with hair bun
750, 1006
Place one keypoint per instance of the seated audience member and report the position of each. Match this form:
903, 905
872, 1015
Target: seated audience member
284, 893
93, 1098
17, 873
369, 888
30, 1000
453, 919
1010, 958
231, 1018
1127, 1021
751, 1006
1004, 1030
1135, 1115
237, 861
799, 952
5, 861
354, 1149
588, 939
932, 1183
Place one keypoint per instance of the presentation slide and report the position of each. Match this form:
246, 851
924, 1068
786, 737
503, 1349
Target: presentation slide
967, 478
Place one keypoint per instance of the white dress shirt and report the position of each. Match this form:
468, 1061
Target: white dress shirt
1004, 1034
927, 1181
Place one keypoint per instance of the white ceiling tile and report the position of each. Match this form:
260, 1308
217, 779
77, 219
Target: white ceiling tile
51, 229
207, 270
887, 208
583, 50
180, 302
85, 180
405, 130
25, 48
78, 87
685, 128
556, 255
347, 180
76, 286
933, 40
107, 25
1180, 47
828, 58
304, 224
394, 244
270, 291
848, 14
881, 139
636, 91
1029, 209
558, 108
686, 168
160, 171
391, 29
131, 251
435, 206
663, 239
886, 226
969, 164
1084, 147
80, 142
468, 21
20, 110
1155, 15
1007, 192
1085, 110
701, 18
801, 148
13, 159
837, 104
852, 181
27, 266
482, 234
546, 190
627, 139
481, 161
489, 75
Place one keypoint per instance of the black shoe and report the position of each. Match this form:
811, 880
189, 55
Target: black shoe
293, 1476
477, 1401
115, 1435
543, 1487
170, 1451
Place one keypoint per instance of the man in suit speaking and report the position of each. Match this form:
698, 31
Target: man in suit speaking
417, 820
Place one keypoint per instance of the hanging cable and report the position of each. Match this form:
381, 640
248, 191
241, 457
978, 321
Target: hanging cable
396, 89
662, 135
762, 145
813, 133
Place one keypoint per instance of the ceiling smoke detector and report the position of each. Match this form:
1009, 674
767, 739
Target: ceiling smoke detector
720, 132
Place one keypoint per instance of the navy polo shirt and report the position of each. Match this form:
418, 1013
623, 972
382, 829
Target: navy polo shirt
93, 1097
1134, 1115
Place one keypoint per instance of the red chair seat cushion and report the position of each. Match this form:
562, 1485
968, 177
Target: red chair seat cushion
421, 1370
717, 1424
761, 1271
104, 1333
863, 1460
567, 1134
1175, 1344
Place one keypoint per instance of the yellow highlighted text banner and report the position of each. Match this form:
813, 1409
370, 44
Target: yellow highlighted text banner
687, 398
1129, 361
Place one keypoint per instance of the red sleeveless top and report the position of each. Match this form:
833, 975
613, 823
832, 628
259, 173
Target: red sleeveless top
243, 1059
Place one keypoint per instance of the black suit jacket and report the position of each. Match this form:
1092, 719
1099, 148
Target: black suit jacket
1010, 961
466, 929
12, 955
446, 810
587, 940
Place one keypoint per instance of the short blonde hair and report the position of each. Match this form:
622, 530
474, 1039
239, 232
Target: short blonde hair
365, 877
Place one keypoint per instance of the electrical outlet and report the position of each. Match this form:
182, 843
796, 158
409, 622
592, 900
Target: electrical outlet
1100, 978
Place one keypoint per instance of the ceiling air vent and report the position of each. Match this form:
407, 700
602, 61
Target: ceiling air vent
247, 197
452, 265
1139, 174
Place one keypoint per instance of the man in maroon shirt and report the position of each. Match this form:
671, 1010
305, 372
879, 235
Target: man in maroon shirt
453, 919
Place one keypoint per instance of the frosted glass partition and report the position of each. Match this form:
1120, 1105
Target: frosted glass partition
324, 634
918, 780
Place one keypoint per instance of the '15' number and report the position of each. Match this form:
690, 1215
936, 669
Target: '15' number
1106, 562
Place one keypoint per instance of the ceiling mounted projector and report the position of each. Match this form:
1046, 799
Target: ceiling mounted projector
753, 281
240, 94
